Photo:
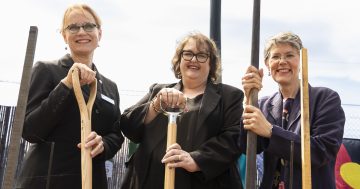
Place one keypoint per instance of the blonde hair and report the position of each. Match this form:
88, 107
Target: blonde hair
201, 41
82, 8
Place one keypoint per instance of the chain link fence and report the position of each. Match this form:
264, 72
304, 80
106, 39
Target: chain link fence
116, 166
352, 123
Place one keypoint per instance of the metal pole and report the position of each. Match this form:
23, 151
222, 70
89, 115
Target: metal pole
215, 25
16, 132
250, 182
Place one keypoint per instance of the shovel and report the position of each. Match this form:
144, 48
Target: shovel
172, 114
85, 114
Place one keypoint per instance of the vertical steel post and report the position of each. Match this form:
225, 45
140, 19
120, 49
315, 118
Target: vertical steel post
250, 182
215, 25
16, 132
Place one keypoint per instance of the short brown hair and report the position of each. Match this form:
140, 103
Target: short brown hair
201, 41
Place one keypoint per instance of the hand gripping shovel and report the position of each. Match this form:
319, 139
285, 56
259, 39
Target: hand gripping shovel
85, 113
172, 113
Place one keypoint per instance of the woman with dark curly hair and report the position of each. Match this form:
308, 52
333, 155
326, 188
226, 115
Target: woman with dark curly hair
206, 151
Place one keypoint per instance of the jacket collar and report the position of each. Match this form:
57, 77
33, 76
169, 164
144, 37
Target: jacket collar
275, 109
209, 102
295, 111
66, 61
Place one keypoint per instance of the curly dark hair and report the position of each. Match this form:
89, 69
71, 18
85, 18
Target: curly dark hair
201, 41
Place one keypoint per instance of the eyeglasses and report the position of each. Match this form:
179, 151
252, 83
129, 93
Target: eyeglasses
75, 28
200, 57
278, 57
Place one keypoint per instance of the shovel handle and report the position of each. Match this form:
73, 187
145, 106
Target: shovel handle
85, 114
169, 181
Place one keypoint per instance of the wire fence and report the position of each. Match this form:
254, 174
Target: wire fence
116, 166
352, 123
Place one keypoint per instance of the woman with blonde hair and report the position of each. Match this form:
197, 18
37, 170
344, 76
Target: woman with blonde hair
52, 121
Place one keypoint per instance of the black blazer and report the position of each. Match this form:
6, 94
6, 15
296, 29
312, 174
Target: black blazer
213, 145
52, 125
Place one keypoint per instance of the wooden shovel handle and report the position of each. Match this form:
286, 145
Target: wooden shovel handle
169, 181
85, 113
305, 122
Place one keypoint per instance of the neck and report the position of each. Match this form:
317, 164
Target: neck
87, 60
192, 89
290, 91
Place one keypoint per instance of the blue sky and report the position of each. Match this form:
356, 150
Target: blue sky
139, 39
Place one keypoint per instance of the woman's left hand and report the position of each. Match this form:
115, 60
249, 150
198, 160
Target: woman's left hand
176, 157
95, 143
255, 121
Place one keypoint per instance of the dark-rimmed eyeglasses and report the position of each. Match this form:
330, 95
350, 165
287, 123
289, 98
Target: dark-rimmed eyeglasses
75, 28
200, 57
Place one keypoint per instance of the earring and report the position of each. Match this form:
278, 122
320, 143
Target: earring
65, 47
269, 74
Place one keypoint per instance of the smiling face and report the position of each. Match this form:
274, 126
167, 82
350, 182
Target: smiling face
193, 69
283, 63
81, 43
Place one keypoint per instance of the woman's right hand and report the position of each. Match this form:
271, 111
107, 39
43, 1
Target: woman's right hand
252, 79
86, 75
170, 97
166, 98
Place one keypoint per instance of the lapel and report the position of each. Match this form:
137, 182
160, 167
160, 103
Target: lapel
100, 87
275, 108
295, 112
210, 100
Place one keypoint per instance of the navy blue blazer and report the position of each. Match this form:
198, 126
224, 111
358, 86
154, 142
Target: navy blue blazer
327, 121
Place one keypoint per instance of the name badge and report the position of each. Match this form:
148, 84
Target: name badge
108, 99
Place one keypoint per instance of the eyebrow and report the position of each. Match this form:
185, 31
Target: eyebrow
204, 52
288, 52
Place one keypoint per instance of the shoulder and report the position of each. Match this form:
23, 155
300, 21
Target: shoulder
322, 91
228, 88
323, 95
319, 93
268, 99
54, 64
229, 91
46, 65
